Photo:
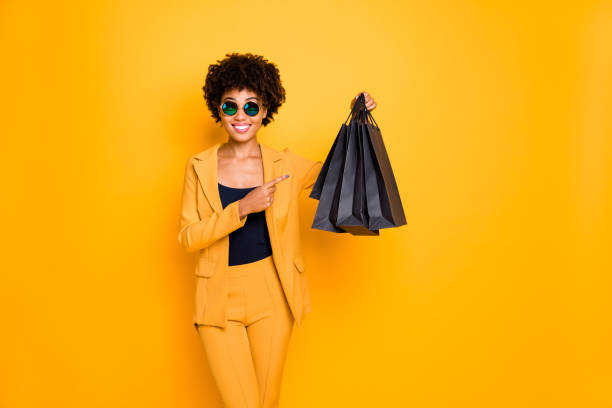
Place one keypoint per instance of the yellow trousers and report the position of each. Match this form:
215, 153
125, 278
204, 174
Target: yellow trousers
247, 357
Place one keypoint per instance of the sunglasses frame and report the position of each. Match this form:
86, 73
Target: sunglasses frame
243, 108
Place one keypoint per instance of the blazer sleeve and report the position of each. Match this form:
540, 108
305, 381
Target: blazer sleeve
196, 233
306, 170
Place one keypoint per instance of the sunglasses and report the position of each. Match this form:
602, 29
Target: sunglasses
230, 108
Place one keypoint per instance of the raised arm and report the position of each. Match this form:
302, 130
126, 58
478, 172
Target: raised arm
196, 233
311, 174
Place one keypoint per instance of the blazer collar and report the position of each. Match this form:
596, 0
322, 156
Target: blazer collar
206, 167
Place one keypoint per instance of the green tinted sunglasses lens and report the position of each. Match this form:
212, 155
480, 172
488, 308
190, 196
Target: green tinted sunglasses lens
229, 108
251, 108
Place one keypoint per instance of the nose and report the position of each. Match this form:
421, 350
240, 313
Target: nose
240, 115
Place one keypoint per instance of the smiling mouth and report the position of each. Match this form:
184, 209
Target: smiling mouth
241, 128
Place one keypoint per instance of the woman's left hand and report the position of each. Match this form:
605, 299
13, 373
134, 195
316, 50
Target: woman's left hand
370, 104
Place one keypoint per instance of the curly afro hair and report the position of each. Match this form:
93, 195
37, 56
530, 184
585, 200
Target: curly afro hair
241, 71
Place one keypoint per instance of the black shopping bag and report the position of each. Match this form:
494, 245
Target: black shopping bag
384, 205
328, 185
349, 209
356, 187
325, 187
318, 185
317, 188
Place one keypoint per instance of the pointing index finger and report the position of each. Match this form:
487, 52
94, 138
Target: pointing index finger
277, 180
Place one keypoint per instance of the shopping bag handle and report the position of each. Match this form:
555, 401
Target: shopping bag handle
371, 117
356, 111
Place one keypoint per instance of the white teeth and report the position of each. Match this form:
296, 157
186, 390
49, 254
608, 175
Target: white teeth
241, 127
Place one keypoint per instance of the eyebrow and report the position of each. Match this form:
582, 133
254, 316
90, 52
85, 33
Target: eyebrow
250, 97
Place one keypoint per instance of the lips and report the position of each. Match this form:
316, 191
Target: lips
241, 128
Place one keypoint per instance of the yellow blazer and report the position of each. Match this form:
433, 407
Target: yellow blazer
205, 226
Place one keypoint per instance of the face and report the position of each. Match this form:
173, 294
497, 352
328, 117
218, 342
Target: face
240, 126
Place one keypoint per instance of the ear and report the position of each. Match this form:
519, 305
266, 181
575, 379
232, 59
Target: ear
265, 112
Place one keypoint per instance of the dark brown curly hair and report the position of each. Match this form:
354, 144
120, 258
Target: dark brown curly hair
240, 71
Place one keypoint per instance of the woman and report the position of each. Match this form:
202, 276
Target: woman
240, 212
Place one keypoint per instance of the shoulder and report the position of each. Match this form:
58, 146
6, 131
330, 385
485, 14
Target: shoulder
293, 157
206, 153
283, 153
199, 159
301, 165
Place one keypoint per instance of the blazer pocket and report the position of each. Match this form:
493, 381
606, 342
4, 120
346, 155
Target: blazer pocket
204, 268
299, 263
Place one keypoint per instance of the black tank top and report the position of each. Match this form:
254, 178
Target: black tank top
251, 242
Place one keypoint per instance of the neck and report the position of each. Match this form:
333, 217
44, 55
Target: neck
240, 150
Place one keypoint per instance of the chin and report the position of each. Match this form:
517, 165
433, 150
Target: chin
241, 138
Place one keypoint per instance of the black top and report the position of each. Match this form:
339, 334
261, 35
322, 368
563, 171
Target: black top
250, 242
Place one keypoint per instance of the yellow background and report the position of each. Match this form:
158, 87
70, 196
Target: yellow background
497, 117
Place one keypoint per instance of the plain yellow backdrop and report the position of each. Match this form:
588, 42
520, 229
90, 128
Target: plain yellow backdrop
497, 117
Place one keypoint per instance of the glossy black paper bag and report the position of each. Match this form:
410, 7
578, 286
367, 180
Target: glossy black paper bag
384, 206
356, 187
327, 183
350, 212
317, 188
318, 185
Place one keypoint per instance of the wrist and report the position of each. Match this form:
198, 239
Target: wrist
243, 208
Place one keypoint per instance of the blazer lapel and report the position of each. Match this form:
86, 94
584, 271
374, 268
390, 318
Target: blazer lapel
274, 166
206, 169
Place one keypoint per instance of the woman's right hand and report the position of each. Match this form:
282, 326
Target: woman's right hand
259, 198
